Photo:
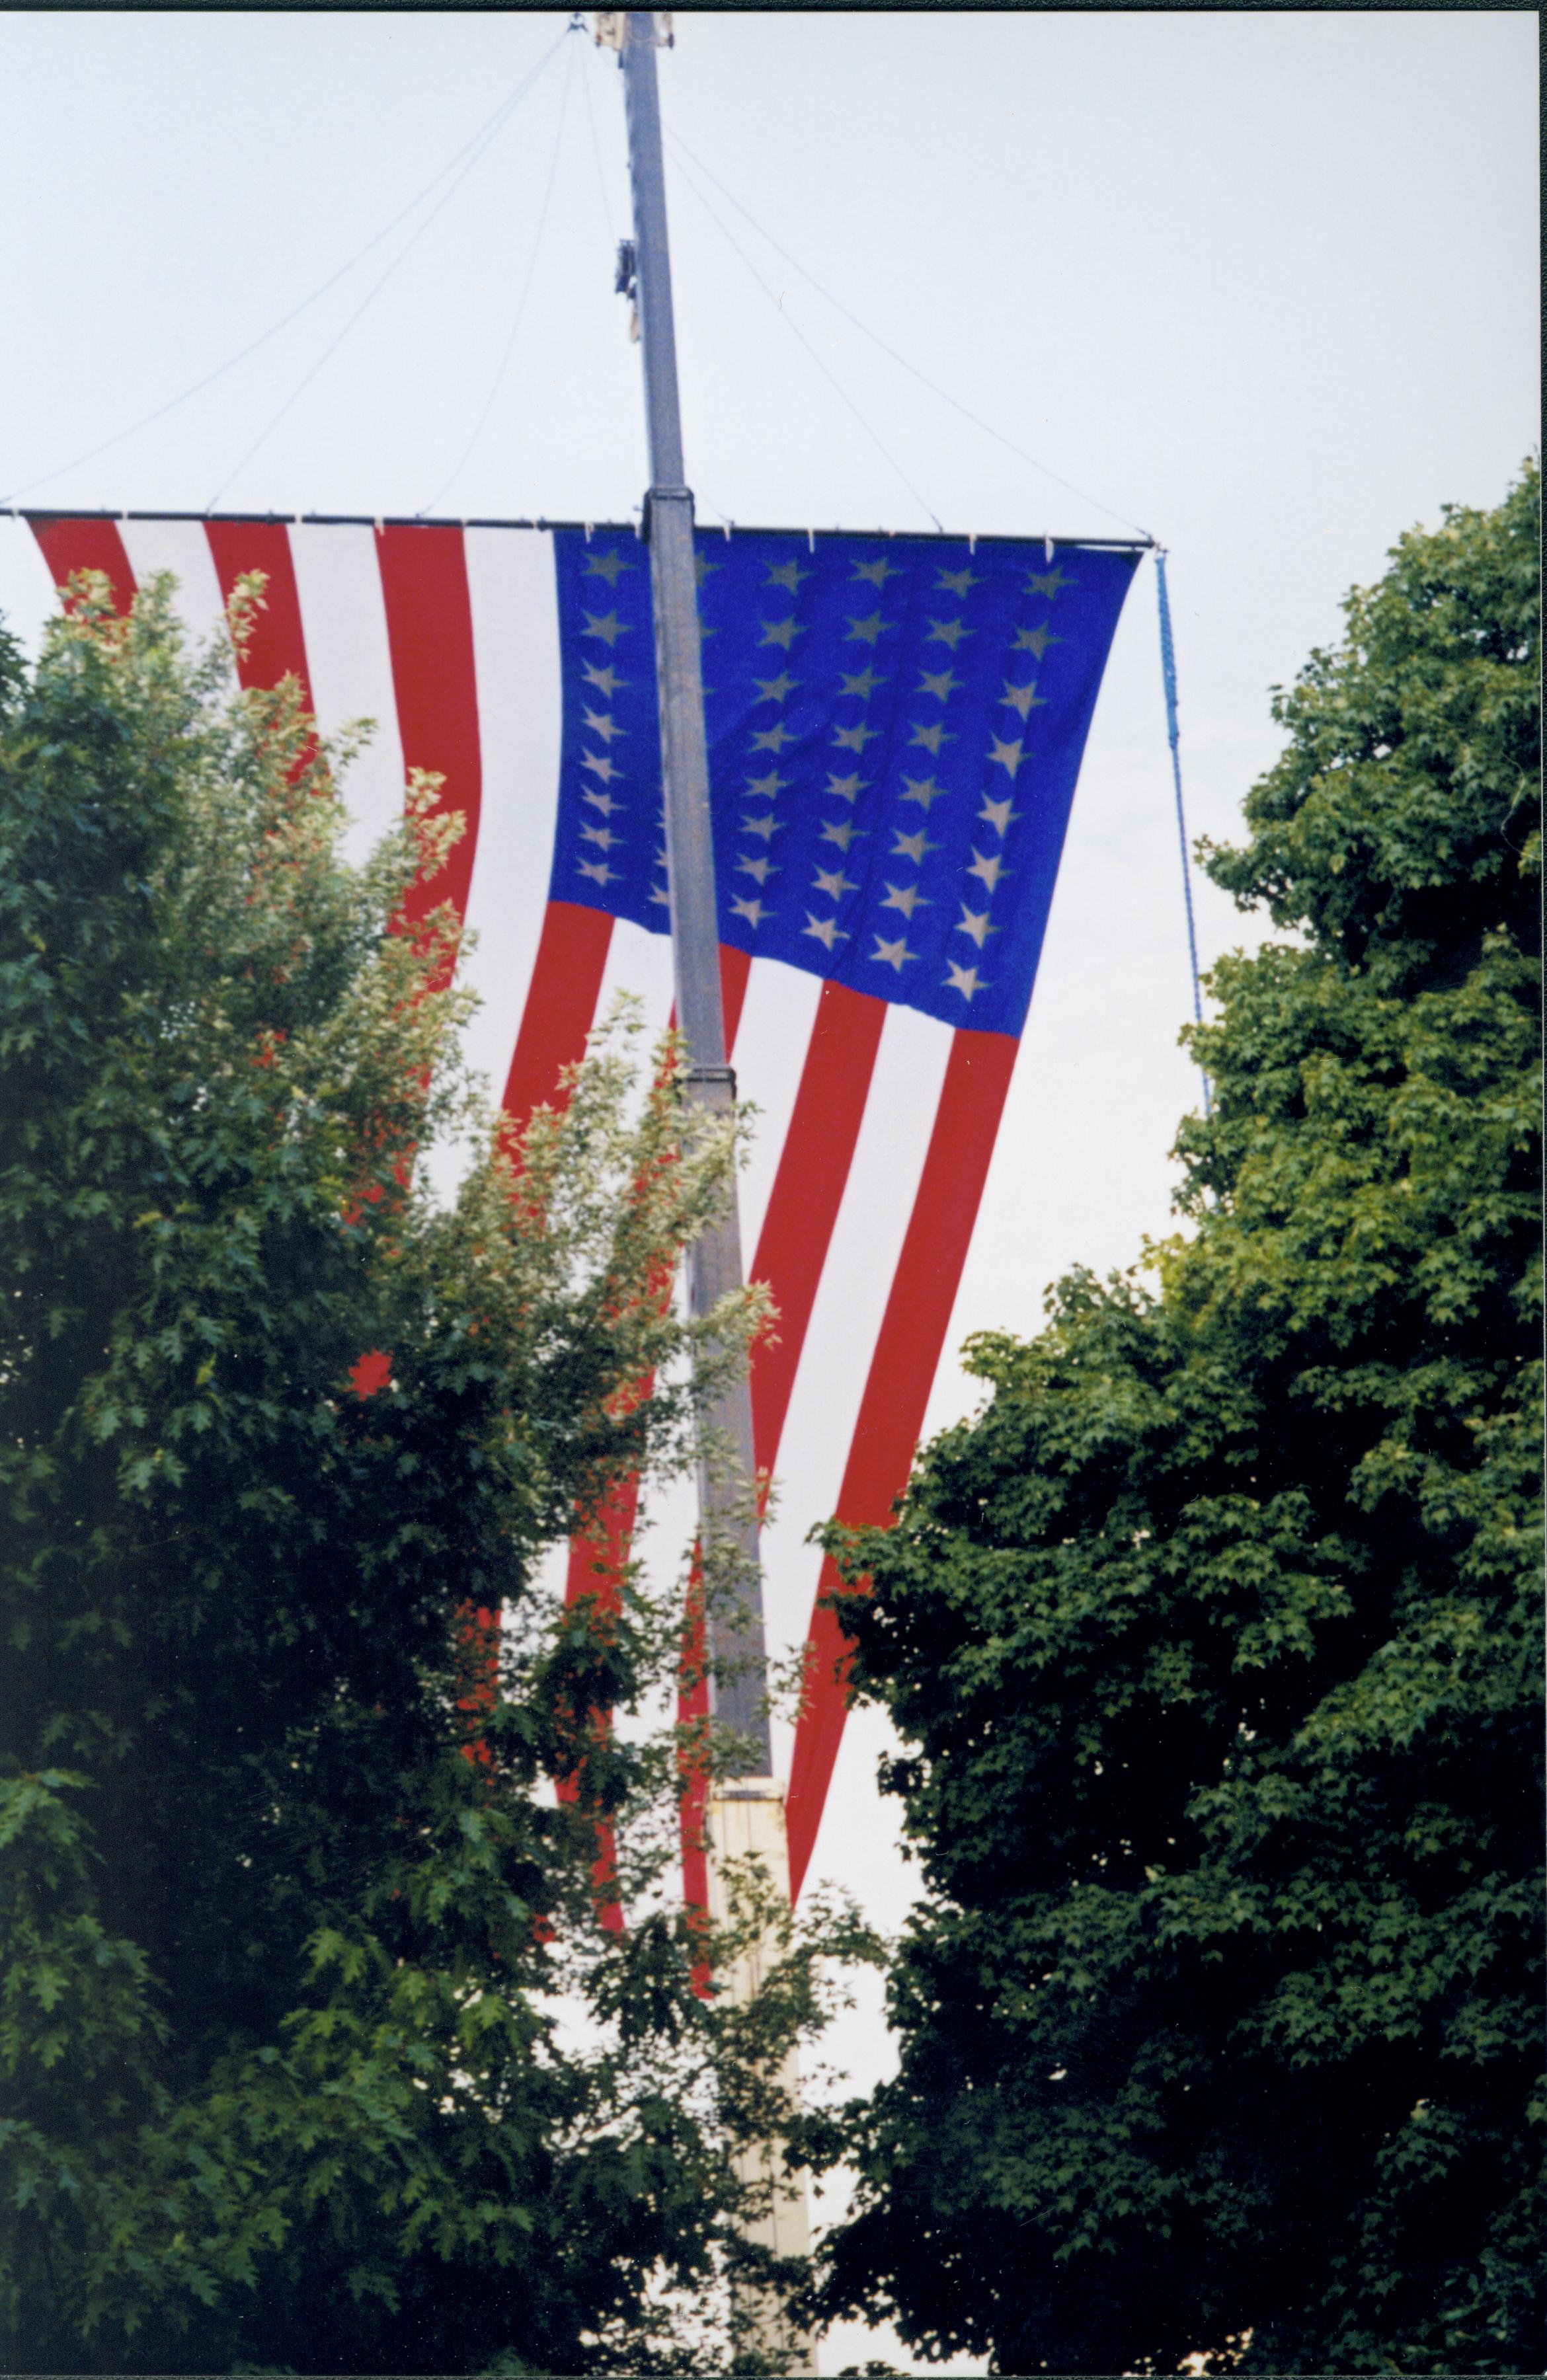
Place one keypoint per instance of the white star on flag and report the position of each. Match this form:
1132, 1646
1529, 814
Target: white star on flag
990, 867
610, 567
966, 980
607, 626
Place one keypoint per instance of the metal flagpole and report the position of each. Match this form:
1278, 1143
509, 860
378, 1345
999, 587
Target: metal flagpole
745, 1812
728, 1523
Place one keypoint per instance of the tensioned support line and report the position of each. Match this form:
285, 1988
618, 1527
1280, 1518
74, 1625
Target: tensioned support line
1172, 731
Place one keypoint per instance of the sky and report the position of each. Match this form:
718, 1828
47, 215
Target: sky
1262, 283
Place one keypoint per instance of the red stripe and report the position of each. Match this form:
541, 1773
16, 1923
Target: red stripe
429, 617
596, 1568
71, 545
736, 967
808, 1191
901, 1371
597, 1561
277, 648
561, 1005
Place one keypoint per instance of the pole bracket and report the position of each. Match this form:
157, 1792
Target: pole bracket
662, 496
707, 1076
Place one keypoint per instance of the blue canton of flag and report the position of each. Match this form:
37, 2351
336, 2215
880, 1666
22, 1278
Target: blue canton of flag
896, 725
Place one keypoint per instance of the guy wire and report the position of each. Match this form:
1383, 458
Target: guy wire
377, 287
489, 126
831, 377
495, 383
874, 336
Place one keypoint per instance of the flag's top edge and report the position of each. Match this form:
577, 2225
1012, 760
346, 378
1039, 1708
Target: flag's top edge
593, 529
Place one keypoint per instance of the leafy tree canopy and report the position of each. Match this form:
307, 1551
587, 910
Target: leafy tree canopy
1215, 1639
317, 2052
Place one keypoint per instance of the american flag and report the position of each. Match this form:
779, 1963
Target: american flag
896, 726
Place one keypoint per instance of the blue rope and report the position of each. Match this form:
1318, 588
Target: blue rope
1168, 674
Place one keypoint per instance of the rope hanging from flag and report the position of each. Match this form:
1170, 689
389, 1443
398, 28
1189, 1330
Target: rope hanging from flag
895, 728
1173, 735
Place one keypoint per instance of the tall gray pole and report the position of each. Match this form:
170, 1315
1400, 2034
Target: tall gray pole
727, 1527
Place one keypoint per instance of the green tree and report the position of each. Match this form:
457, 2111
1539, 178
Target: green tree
1215, 1640
316, 2052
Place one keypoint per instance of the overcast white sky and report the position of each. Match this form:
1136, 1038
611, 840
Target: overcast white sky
1262, 283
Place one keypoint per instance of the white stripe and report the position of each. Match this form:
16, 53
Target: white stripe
183, 548
846, 1318
640, 963
772, 1041
29, 598
857, 1833
521, 719
350, 664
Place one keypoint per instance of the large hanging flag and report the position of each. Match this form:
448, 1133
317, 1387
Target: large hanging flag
896, 726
